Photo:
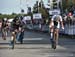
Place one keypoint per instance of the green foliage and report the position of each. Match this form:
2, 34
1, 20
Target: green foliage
63, 5
43, 12
13, 13
7, 16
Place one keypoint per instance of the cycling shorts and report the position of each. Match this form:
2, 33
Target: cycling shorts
55, 25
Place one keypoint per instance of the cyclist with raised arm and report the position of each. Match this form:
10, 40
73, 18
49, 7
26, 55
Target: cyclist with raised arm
15, 28
55, 23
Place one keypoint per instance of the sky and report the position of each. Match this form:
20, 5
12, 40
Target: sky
9, 6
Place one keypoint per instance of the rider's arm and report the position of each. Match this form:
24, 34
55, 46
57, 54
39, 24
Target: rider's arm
51, 24
61, 22
51, 21
62, 25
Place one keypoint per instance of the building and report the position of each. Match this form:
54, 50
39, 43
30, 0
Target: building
54, 3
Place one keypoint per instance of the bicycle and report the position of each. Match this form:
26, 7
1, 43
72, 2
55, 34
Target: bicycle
13, 38
55, 39
55, 24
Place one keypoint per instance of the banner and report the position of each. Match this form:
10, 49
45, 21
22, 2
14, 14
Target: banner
53, 12
37, 16
27, 18
10, 20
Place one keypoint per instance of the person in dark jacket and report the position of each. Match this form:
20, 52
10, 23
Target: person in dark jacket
17, 27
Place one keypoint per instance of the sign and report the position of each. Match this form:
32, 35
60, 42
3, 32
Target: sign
37, 16
10, 20
27, 18
54, 12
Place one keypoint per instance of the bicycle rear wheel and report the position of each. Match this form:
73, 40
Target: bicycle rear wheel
12, 41
13, 44
54, 45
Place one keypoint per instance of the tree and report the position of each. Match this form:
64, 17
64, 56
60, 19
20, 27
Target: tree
41, 4
29, 10
55, 4
13, 13
22, 10
0, 13
44, 12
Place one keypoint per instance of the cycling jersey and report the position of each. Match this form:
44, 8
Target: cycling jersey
15, 24
56, 21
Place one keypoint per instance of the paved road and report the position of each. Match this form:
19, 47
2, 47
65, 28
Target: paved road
38, 44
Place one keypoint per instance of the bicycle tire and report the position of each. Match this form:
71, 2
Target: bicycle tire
12, 42
54, 44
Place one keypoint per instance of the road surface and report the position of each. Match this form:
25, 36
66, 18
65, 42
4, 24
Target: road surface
36, 44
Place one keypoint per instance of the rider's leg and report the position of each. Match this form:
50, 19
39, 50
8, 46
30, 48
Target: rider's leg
21, 36
13, 36
57, 35
51, 33
54, 39
18, 36
12, 39
16, 33
54, 35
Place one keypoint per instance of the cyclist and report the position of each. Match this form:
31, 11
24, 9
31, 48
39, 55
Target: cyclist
4, 28
54, 25
21, 30
15, 28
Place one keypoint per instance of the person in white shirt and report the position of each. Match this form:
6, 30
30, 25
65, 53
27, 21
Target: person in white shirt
54, 26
